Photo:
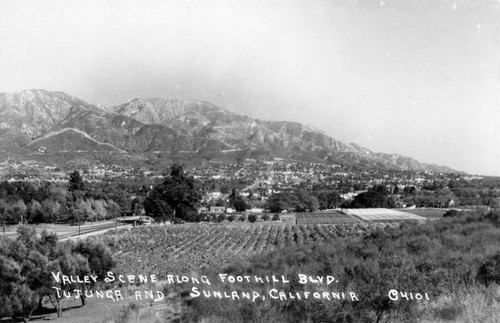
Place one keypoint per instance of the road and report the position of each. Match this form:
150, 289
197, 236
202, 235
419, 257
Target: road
66, 231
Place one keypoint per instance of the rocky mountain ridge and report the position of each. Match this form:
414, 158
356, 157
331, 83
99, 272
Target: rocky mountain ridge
55, 122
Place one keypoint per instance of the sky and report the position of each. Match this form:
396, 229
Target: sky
418, 78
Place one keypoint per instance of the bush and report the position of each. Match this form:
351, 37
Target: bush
449, 312
252, 218
276, 217
265, 217
221, 217
451, 214
231, 218
493, 217
242, 218
489, 271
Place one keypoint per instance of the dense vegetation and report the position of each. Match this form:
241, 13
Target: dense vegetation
51, 202
456, 261
177, 197
27, 264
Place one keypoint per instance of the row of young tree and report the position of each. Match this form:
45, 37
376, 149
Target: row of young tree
28, 263
77, 200
50, 211
451, 260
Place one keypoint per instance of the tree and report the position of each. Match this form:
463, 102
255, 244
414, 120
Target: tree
113, 209
328, 199
23, 274
51, 209
99, 207
75, 182
240, 205
376, 197
19, 211
451, 213
489, 271
305, 201
220, 202
300, 200
3, 212
35, 212
279, 202
180, 192
27, 264
155, 207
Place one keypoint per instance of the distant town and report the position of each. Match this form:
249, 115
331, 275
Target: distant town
253, 186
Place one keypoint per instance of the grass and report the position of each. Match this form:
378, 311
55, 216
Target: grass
476, 304
106, 310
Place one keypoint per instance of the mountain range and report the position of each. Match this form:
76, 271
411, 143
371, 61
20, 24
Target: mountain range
39, 121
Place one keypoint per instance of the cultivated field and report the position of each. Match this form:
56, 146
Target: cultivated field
382, 215
178, 249
330, 217
427, 213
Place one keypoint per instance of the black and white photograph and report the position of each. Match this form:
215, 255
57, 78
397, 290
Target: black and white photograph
250, 161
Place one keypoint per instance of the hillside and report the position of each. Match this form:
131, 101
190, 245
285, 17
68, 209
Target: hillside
177, 128
70, 140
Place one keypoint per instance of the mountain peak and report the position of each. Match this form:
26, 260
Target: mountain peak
179, 128
34, 112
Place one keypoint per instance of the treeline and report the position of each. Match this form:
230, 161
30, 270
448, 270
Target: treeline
302, 200
47, 202
27, 264
455, 261
379, 196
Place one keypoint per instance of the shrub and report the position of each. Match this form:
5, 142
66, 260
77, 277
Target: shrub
231, 218
451, 213
493, 217
128, 313
489, 271
221, 217
276, 217
265, 217
252, 218
242, 217
449, 311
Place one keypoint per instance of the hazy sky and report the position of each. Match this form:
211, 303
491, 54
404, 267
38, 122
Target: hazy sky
419, 78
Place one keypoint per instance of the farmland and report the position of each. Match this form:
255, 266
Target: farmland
164, 250
382, 215
330, 217
429, 213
